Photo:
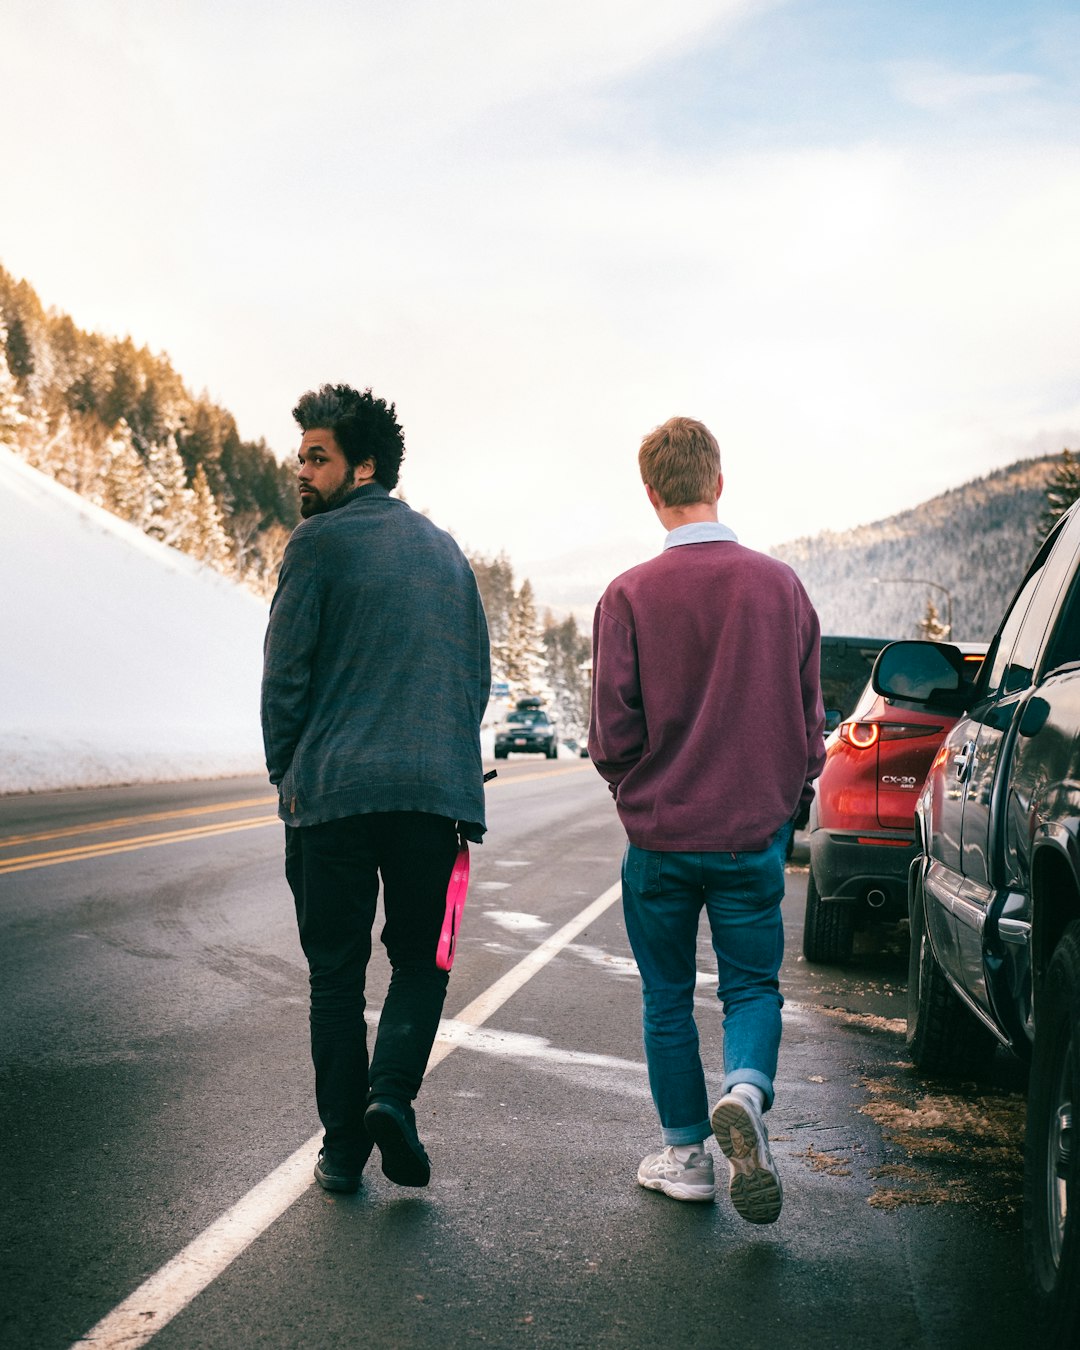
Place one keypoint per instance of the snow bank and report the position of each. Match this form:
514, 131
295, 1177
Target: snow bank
121, 660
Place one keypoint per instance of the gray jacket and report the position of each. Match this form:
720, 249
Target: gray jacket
376, 668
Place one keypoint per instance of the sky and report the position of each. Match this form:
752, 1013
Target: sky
840, 232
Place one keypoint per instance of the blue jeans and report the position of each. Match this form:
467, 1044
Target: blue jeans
663, 895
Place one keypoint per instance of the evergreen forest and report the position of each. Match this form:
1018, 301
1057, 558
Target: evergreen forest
116, 424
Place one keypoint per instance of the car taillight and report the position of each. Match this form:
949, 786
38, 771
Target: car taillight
865, 735
862, 735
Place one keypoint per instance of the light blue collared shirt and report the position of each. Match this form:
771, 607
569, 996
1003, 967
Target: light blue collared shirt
700, 532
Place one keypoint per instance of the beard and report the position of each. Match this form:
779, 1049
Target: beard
316, 503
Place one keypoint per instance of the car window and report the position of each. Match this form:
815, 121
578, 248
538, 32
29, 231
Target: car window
999, 681
846, 663
528, 719
866, 701
1065, 645
1012, 663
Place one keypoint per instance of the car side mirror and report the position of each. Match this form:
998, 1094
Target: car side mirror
932, 673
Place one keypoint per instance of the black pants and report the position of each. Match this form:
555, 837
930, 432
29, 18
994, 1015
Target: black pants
334, 872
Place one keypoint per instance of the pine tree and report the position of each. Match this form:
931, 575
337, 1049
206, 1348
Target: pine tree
930, 628
126, 485
1062, 489
171, 503
262, 572
244, 528
524, 649
207, 539
20, 354
495, 580
11, 403
567, 653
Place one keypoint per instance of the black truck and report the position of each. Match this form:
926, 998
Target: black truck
994, 889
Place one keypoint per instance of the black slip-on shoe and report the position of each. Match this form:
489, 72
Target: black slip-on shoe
393, 1128
333, 1175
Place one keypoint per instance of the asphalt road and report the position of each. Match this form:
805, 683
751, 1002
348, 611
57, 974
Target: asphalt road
154, 1072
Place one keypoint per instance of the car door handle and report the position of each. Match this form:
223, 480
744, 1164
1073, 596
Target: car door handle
963, 761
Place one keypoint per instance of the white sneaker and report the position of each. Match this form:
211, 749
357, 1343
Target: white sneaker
755, 1186
689, 1180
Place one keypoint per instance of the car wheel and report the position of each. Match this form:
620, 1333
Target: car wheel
1051, 1240
943, 1036
500, 754
828, 930
553, 751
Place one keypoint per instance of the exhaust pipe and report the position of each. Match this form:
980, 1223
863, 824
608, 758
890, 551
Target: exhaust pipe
875, 899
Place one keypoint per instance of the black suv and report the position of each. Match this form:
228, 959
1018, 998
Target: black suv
994, 890
528, 730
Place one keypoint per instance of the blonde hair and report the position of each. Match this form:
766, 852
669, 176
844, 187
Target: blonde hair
680, 461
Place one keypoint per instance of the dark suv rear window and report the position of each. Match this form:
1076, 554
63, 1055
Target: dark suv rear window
846, 663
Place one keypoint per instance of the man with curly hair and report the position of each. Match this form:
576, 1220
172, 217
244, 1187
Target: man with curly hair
376, 676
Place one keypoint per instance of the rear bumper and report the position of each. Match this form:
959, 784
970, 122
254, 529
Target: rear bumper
857, 867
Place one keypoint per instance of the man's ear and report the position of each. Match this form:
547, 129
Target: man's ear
363, 472
654, 497
719, 485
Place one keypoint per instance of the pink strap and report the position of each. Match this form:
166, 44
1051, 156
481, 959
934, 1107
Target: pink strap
455, 903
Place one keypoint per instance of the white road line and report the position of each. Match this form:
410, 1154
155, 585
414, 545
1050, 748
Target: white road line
165, 1294
480, 1009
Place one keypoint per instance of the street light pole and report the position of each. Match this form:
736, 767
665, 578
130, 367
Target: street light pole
922, 581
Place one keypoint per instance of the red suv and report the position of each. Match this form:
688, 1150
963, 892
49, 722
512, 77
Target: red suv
863, 816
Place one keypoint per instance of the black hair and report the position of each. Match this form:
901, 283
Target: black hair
364, 426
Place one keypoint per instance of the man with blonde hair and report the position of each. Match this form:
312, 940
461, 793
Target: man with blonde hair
707, 724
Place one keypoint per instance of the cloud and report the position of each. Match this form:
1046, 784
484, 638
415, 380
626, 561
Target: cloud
938, 88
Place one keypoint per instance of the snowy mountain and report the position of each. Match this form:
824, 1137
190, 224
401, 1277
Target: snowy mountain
122, 660
972, 544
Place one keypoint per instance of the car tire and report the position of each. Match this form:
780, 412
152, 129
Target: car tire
553, 751
943, 1036
828, 930
1051, 1158
500, 754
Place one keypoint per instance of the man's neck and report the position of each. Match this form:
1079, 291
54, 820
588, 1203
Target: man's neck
671, 517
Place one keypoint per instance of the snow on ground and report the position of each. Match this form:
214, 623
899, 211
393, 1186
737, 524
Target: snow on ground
122, 661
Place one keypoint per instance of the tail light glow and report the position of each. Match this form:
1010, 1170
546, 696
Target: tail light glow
865, 735
862, 735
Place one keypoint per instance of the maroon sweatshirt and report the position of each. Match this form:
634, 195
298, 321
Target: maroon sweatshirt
707, 718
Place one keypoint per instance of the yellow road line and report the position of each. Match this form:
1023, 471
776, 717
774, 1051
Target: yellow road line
79, 853
542, 773
118, 822
63, 855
